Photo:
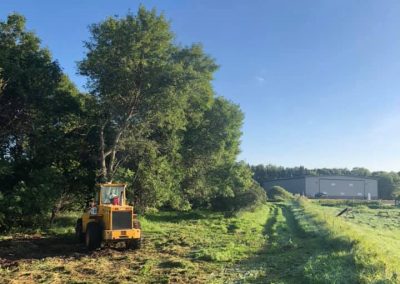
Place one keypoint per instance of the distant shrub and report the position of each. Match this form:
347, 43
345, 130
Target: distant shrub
278, 193
244, 200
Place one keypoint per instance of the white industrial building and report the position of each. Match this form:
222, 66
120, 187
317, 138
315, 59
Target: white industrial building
346, 187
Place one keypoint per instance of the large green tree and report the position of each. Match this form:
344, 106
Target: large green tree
209, 151
41, 128
137, 82
160, 125
146, 89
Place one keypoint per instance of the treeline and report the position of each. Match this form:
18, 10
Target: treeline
388, 182
150, 118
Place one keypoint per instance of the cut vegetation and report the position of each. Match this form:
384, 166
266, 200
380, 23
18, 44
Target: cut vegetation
196, 247
295, 241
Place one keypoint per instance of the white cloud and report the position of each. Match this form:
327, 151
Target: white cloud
260, 79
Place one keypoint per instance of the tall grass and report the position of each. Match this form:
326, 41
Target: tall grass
377, 257
373, 204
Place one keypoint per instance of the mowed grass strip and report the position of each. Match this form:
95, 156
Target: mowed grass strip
194, 247
298, 251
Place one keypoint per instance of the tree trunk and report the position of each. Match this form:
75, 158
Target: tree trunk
108, 167
56, 208
112, 161
54, 213
103, 174
112, 164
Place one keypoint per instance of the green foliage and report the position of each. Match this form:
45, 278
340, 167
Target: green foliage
210, 152
388, 184
277, 193
158, 117
151, 120
146, 88
42, 154
241, 195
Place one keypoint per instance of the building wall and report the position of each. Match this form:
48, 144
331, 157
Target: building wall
293, 185
342, 186
334, 186
371, 186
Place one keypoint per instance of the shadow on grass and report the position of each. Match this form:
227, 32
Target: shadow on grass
56, 241
273, 212
38, 247
295, 255
176, 217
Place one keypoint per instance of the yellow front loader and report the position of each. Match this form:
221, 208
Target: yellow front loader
109, 220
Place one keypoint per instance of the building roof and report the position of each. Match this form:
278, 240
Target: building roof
324, 176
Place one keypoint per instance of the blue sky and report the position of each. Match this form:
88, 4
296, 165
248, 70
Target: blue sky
318, 81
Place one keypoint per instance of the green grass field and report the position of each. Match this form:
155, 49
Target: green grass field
298, 241
373, 231
196, 247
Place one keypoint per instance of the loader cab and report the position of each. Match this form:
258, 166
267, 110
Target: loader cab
111, 194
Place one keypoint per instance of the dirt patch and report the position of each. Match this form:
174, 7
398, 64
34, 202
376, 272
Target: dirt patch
26, 248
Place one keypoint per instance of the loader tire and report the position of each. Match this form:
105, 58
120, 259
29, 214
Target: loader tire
93, 236
79, 234
136, 224
134, 244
